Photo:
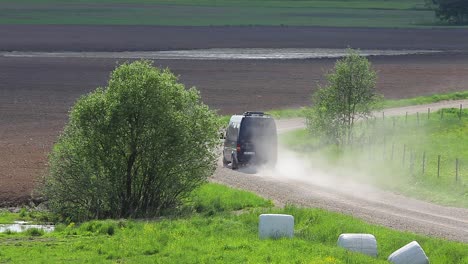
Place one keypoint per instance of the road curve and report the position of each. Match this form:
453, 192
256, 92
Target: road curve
311, 187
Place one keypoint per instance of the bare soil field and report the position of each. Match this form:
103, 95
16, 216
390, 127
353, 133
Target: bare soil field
36, 93
150, 38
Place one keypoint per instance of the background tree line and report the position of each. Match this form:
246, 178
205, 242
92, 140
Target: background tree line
451, 11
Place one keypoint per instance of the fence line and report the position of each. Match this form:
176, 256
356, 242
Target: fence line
417, 162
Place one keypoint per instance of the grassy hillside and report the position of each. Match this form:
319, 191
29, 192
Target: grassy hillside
216, 225
353, 13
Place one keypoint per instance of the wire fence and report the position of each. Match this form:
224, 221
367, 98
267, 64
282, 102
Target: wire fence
385, 139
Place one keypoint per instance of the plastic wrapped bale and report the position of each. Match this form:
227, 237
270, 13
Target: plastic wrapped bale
411, 253
363, 243
276, 226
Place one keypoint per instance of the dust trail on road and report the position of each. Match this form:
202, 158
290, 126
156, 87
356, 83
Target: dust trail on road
307, 184
319, 183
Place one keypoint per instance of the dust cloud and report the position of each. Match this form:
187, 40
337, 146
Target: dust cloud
353, 178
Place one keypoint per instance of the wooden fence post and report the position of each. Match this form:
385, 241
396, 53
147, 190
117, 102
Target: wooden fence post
428, 112
460, 115
438, 166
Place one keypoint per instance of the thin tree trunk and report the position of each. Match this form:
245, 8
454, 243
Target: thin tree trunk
127, 210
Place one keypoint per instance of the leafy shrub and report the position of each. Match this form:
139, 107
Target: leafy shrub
23, 212
133, 148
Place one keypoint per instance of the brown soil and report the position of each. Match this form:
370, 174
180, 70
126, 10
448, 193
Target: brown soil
139, 38
36, 93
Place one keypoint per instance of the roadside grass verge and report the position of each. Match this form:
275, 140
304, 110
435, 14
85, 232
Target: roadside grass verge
402, 154
224, 236
425, 99
354, 13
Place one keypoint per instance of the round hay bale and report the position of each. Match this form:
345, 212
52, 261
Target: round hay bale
275, 226
411, 253
363, 243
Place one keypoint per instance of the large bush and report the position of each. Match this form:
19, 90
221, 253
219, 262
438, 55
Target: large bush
133, 148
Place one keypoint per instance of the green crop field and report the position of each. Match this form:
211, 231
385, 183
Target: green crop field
402, 154
354, 13
216, 225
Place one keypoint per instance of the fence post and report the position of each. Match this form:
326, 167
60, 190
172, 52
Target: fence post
424, 162
383, 115
456, 170
438, 166
460, 115
428, 112
406, 117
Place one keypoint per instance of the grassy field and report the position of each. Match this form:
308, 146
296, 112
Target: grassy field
354, 13
398, 149
216, 225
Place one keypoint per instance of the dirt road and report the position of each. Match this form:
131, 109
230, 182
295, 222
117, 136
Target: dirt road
311, 187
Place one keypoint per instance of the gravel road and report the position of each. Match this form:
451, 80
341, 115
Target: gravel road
311, 187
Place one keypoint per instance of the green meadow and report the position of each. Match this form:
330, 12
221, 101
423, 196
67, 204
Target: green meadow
216, 224
353, 13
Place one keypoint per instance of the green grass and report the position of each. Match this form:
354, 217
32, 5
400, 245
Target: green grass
6, 217
31, 216
354, 13
219, 198
392, 151
224, 236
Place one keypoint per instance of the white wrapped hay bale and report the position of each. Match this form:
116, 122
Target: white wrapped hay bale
276, 226
411, 253
363, 243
